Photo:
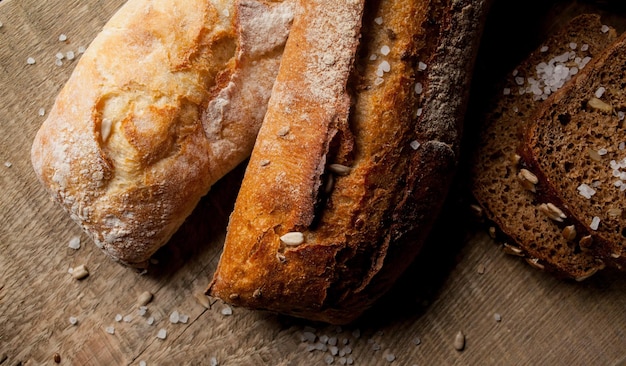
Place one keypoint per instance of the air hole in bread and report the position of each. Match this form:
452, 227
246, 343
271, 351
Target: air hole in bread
564, 118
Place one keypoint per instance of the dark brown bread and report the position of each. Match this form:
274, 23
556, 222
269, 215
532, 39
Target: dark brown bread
351, 228
502, 188
576, 145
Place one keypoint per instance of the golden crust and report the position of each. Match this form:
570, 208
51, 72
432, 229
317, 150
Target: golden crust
154, 113
360, 232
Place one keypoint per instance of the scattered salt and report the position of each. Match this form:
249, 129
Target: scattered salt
586, 191
604, 28
602, 151
62, 38
74, 243
421, 66
543, 49
329, 359
415, 144
308, 337
573, 45
81, 49
595, 222
183, 318
142, 310
506, 91
390, 357
584, 47
8, 164
379, 81
417, 341
30, 61
385, 50
73, 320
70, 55
622, 145
419, 88
142, 363
497, 317
1, 24
621, 115
118, 318
373, 57
60, 55
110, 330
174, 317
334, 350
227, 310
162, 334
600, 92
213, 361
128, 318
150, 320
378, 20
418, 112
58, 62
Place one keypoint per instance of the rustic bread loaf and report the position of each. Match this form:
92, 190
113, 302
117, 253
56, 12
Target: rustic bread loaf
354, 157
166, 100
505, 189
576, 145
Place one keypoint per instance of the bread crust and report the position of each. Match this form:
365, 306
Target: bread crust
166, 100
400, 141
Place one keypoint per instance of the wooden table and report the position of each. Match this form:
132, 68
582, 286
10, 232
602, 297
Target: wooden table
510, 313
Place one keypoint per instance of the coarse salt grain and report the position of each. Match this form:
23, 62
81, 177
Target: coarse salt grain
8, 164
142, 363
30, 61
586, 191
543, 49
419, 88
59, 55
415, 144
390, 357
622, 145
150, 320
418, 112
421, 66
378, 20
73, 320
584, 47
110, 330
70, 55
183, 318
62, 38
602, 151
373, 57
81, 49
213, 361
58, 62
595, 222
605, 28
162, 334
600, 92
74, 243
41, 112
506, 91
118, 317
573, 45
1, 24
384, 50
174, 317
127, 318
227, 310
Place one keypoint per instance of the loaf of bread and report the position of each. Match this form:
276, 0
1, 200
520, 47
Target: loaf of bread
354, 157
507, 190
167, 99
576, 146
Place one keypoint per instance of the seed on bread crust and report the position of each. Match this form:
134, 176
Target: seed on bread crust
535, 263
528, 180
585, 242
599, 105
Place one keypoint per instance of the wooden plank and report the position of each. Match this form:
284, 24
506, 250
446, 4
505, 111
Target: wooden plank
543, 320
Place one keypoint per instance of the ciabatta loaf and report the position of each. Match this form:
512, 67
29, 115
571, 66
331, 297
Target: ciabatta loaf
166, 100
354, 156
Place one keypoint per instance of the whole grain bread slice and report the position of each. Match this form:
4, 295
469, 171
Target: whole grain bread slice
501, 186
576, 146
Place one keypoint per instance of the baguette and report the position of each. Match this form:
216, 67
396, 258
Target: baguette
166, 100
354, 157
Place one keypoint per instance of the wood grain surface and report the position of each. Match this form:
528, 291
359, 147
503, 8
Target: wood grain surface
462, 281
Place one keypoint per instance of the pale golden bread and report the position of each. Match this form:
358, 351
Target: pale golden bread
166, 100
338, 197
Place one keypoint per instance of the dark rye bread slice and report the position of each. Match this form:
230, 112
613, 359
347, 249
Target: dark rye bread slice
576, 145
508, 200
